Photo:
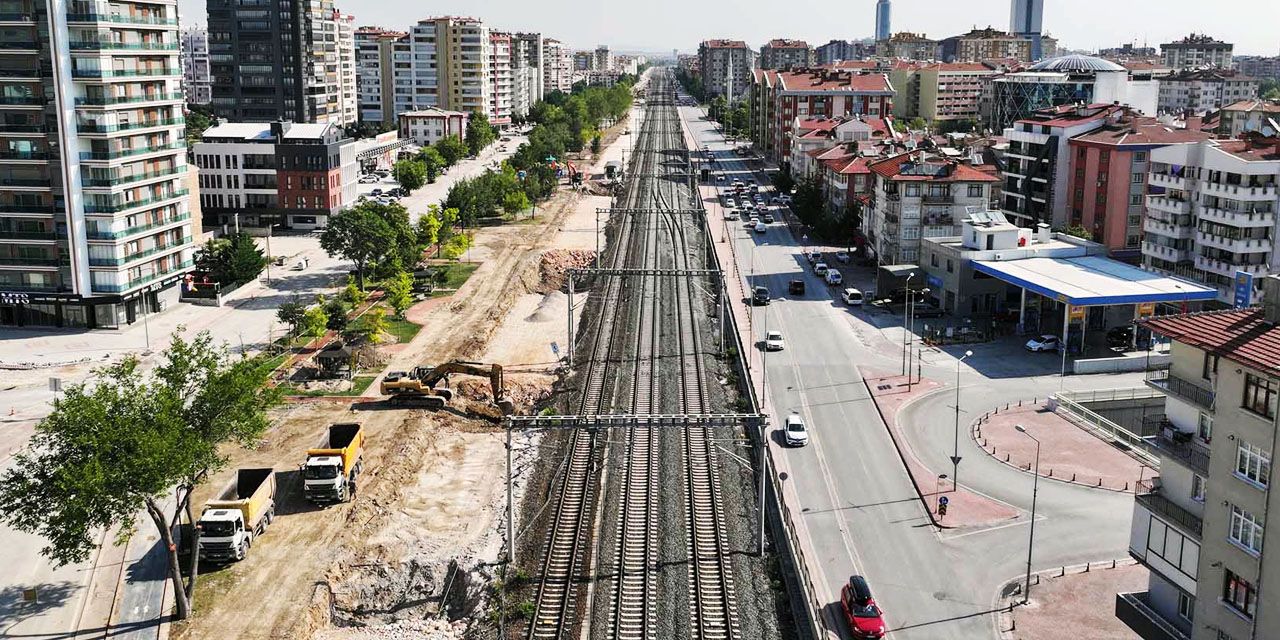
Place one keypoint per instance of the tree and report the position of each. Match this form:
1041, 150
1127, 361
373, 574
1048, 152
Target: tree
1269, 89
314, 321
429, 226
411, 174
233, 259
399, 292
451, 149
336, 311
432, 162
515, 202
353, 295
375, 324
1079, 232
479, 132
290, 313
595, 145
359, 234
199, 118
117, 446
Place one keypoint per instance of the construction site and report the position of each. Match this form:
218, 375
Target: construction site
631, 508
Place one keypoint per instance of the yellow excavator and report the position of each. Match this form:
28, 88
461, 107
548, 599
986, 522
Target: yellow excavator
419, 384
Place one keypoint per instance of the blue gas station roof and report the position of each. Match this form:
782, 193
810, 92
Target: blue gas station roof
1094, 281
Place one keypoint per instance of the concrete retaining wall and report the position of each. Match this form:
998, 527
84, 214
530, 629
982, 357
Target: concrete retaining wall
1120, 364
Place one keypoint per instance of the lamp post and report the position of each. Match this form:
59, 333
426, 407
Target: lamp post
905, 316
1035, 488
955, 456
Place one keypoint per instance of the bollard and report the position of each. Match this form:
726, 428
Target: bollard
1099, 482
1126, 486
1050, 472
1006, 457
1073, 477
1019, 403
1113, 563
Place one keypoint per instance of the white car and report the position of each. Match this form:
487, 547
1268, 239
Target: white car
752, 222
761, 227
730, 214
1044, 343
852, 297
773, 341
784, 199
820, 269
842, 256
369, 179
834, 277
794, 433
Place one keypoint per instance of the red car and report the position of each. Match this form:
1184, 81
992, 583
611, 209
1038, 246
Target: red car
860, 609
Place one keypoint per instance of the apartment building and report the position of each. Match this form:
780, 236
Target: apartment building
1203, 90
780, 97
95, 229
916, 195
1217, 200
278, 173
1200, 525
348, 76
197, 84
786, 54
526, 72
940, 92
500, 101
985, 44
1107, 172
261, 76
375, 72
1197, 51
1262, 116
907, 46
429, 126
603, 59
726, 67
1037, 161
584, 60
1258, 66
558, 67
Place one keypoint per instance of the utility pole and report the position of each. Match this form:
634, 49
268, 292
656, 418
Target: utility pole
955, 456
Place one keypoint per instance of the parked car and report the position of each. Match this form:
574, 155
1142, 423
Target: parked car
795, 287
504, 139
773, 341
926, 310
834, 277
761, 227
719, 177
820, 268
860, 610
376, 192
760, 296
852, 297
369, 179
1043, 343
1120, 337
842, 256
794, 431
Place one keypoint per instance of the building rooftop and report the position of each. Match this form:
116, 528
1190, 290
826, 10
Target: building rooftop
261, 131
1263, 106
1093, 280
1253, 148
1133, 130
784, 43
1239, 335
1212, 75
724, 44
1195, 40
831, 80
1076, 63
1070, 115
914, 166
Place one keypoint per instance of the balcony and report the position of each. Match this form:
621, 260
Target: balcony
120, 19
19, 45
1228, 268
93, 182
124, 233
1180, 446
1162, 380
100, 45
117, 207
1238, 218
91, 127
1151, 499
1167, 180
1234, 245
27, 235
104, 101
1164, 252
22, 101
1176, 206
1247, 192
98, 74
1133, 610
33, 156
938, 199
21, 261
138, 282
116, 262
117, 154
1153, 224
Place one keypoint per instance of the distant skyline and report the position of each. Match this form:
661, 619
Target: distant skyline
663, 25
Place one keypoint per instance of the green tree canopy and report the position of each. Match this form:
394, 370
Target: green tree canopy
451, 149
480, 133
411, 174
432, 162
399, 291
233, 259
359, 234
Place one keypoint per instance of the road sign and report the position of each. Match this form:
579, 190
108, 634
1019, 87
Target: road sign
1244, 289
944, 501
955, 460
555, 349
55, 384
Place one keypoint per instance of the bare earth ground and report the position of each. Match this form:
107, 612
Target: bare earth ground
1061, 607
431, 492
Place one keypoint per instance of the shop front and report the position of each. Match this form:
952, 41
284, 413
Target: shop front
71, 311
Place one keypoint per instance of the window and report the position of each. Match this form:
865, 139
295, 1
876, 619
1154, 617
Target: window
1139, 156
1246, 529
1209, 366
1260, 395
1138, 178
975, 191
1204, 427
1253, 464
950, 266
1239, 594
933, 260
1186, 606
1197, 487
1135, 199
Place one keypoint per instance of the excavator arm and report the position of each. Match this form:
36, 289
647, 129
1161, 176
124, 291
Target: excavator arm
429, 377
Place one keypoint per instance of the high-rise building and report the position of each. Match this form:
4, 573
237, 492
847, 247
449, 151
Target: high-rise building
1026, 18
95, 229
1204, 90
603, 59
281, 64
558, 66
584, 60
375, 73
348, 85
726, 67
785, 54
501, 79
986, 44
1196, 51
196, 82
526, 71
908, 46
835, 51
450, 65
883, 22
1261, 67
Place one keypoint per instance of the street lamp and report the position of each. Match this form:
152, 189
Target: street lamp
1035, 488
955, 457
905, 315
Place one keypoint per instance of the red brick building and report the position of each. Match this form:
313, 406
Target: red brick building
778, 98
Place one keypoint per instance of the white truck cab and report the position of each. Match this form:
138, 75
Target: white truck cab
223, 535
322, 475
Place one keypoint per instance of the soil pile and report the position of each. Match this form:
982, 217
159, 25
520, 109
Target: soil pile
556, 263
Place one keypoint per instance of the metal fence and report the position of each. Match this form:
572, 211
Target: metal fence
1106, 429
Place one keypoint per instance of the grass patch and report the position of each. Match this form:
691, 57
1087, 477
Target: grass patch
457, 273
272, 363
402, 329
358, 386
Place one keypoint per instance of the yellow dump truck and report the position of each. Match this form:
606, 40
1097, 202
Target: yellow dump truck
329, 474
229, 523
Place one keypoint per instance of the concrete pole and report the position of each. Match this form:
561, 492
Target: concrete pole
597, 238
764, 472
1066, 328
1022, 312
570, 314
511, 534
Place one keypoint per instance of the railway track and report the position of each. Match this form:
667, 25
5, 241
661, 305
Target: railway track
637, 313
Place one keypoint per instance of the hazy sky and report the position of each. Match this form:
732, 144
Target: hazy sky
662, 25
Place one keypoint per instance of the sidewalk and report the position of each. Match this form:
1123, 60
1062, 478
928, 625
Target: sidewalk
966, 509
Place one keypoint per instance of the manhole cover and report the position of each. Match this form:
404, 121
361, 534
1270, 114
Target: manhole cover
884, 387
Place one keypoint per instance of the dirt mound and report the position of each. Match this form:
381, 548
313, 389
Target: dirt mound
406, 629
556, 263
550, 309
526, 390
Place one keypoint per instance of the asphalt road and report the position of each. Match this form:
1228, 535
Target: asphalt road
860, 509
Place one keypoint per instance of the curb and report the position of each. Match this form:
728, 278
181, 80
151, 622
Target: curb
1002, 605
933, 519
974, 428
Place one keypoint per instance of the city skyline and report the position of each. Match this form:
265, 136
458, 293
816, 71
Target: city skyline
1076, 25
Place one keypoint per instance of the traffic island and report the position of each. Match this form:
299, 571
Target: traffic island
1065, 600
1067, 452
949, 507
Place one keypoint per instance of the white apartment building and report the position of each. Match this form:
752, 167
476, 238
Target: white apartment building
917, 196
197, 83
501, 74
1204, 90
429, 126
1197, 51
558, 66
348, 87
727, 69
1211, 211
374, 72
95, 225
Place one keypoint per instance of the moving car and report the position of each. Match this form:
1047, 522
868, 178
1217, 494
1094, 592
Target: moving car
761, 227
842, 256
1043, 343
731, 214
834, 277
773, 341
752, 221
795, 287
794, 431
719, 177
860, 610
852, 297
768, 218
812, 256
820, 268
784, 199
760, 296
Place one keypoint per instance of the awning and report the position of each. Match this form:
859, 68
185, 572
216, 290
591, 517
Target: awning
1094, 281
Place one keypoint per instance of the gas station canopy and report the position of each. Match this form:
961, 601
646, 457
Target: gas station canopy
1093, 281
